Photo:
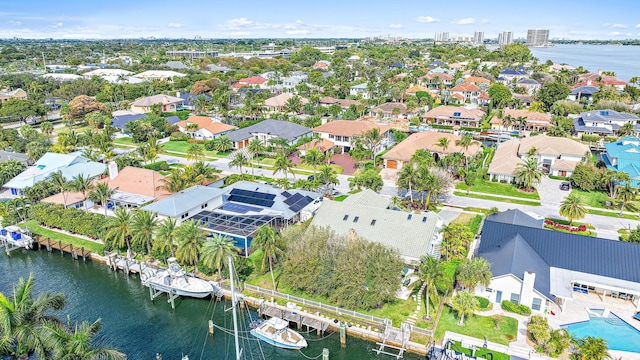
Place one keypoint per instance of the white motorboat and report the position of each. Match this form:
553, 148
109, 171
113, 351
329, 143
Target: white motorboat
276, 332
176, 281
16, 236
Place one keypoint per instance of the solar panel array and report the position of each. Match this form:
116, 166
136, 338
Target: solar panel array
297, 201
239, 208
252, 197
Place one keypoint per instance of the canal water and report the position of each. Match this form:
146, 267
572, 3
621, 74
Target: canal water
140, 328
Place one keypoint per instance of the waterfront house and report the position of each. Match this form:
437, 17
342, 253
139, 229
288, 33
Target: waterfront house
603, 122
624, 155
520, 119
401, 154
341, 133
509, 76
593, 79
267, 130
167, 103
70, 165
466, 92
204, 127
366, 215
455, 116
538, 267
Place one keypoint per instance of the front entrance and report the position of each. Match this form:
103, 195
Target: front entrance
498, 297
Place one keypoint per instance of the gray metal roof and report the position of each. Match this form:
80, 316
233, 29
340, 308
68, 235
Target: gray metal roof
10, 155
411, 234
585, 254
183, 201
283, 129
580, 126
515, 217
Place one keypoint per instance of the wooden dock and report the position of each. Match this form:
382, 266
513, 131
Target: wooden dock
75, 251
299, 318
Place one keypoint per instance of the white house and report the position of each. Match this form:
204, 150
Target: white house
360, 90
204, 127
341, 132
558, 156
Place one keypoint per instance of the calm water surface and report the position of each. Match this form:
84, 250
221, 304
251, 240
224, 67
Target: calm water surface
623, 60
140, 328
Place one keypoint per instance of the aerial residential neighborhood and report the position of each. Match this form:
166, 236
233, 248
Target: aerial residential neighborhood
452, 197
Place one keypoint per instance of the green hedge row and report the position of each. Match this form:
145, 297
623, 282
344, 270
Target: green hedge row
515, 308
157, 166
73, 220
484, 302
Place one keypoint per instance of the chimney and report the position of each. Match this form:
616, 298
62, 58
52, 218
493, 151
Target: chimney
588, 82
177, 93
113, 170
599, 71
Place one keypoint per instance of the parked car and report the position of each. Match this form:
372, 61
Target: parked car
565, 186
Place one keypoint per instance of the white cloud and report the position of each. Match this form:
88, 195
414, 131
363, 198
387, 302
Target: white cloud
638, 26
239, 33
57, 25
175, 25
239, 22
427, 19
15, 23
298, 32
396, 26
619, 26
619, 33
484, 21
465, 21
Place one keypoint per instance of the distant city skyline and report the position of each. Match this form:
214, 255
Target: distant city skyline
64, 19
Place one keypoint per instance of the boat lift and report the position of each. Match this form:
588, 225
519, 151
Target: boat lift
14, 237
388, 334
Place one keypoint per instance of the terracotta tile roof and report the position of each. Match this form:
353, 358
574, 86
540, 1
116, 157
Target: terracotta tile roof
547, 145
388, 107
565, 165
72, 198
348, 127
281, 100
415, 88
484, 96
531, 116
205, 122
427, 140
458, 96
506, 159
254, 80
322, 145
328, 100
465, 87
476, 79
138, 181
447, 111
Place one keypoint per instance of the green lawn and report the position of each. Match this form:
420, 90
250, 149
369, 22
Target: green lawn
498, 189
599, 199
612, 214
480, 352
124, 141
473, 221
67, 239
495, 198
478, 326
183, 147
340, 198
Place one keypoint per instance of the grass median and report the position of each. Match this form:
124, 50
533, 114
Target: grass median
497, 198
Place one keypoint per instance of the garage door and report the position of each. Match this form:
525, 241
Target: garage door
392, 164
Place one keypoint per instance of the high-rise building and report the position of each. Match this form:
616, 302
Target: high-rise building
505, 38
478, 37
442, 36
537, 37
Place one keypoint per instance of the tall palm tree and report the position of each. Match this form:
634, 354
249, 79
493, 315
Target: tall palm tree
528, 173
431, 272
283, 164
472, 272
372, 140
69, 343
166, 236
143, 226
465, 303
22, 318
216, 250
572, 208
443, 142
119, 233
190, 240
592, 348
625, 194
222, 143
239, 160
83, 185
272, 246
101, 194
58, 181
195, 152
313, 158
174, 182
465, 142
408, 178
255, 147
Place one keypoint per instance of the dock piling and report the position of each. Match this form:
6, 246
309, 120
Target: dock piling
343, 334
211, 328
325, 354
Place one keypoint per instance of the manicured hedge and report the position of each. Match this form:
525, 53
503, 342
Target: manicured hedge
157, 166
179, 136
73, 220
484, 302
515, 308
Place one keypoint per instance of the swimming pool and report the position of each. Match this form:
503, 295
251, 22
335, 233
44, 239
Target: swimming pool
618, 333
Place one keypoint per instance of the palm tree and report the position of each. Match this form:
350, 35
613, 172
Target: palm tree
255, 147
283, 164
119, 232
474, 271
443, 142
165, 236
528, 173
431, 272
465, 304
83, 185
281, 144
190, 240
592, 348
58, 181
143, 226
327, 176
239, 160
174, 182
465, 142
372, 140
625, 194
222, 143
313, 158
572, 208
195, 152
69, 343
272, 246
407, 178
101, 194
22, 318
46, 127
216, 250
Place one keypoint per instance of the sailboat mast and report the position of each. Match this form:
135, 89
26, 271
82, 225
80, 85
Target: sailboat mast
233, 309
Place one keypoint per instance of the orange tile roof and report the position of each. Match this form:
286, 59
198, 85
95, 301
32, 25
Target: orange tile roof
348, 127
458, 96
465, 87
205, 122
427, 140
138, 181
321, 144
415, 88
476, 79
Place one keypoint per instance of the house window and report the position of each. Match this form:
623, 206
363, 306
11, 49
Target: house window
537, 304
373, 222
345, 218
355, 219
515, 298
331, 136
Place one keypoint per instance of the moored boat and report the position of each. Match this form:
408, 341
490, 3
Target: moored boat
16, 236
276, 332
176, 281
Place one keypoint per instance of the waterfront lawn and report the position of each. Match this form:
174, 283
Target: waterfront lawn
495, 188
480, 352
477, 326
36, 229
496, 198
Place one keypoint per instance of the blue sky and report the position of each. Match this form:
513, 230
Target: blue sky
587, 19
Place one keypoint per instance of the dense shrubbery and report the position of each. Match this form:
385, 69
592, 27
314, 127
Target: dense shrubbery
590, 138
73, 220
157, 166
515, 308
179, 136
581, 228
484, 302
